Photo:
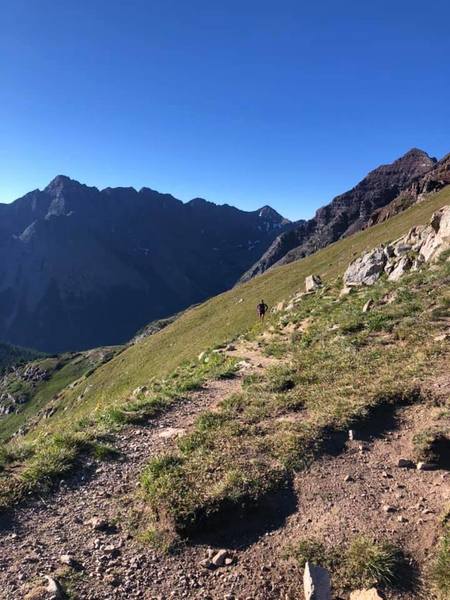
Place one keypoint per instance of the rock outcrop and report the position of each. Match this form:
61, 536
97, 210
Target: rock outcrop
420, 245
346, 213
434, 180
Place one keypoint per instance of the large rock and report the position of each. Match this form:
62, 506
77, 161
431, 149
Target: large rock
312, 283
371, 594
367, 269
403, 265
438, 238
316, 583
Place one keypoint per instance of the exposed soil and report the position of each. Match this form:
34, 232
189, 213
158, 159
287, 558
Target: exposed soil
343, 494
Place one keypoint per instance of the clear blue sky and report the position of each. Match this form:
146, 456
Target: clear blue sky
248, 102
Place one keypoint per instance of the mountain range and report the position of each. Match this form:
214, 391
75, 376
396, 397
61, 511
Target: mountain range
348, 212
82, 267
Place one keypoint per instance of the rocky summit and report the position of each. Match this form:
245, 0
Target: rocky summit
82, 267
346, 213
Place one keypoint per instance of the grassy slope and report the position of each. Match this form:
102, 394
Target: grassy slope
224, 317
63, 370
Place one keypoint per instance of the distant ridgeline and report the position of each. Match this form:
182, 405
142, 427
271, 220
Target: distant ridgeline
81, 268
385, 191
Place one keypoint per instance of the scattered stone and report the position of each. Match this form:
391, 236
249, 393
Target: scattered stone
67, 559
405, 463
218, 560
402, 519
368, 305
371, 594
442, 337
389, 509
316, 583
348, 478
98, 524
54, 587
313, 283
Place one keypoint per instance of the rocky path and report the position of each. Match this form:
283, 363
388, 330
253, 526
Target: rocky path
359, 489
85, 517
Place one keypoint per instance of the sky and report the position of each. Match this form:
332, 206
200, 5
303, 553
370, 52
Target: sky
286, 103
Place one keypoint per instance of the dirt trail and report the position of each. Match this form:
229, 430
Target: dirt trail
114, 565
342, 495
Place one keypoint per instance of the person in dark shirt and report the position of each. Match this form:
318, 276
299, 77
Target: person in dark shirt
261, 309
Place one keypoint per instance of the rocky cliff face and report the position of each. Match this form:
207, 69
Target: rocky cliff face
432, 181
80, 267
347, 213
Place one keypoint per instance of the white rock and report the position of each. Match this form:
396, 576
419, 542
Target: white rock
54, 587
403, 265
371, 594
423, 466
218, 560
316, 583
367, 269
312, 283
368, 305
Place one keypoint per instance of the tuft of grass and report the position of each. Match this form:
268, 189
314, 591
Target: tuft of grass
440, 570
368, 563
362, 563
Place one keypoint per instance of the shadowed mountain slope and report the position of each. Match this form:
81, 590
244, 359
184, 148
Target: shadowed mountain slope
80, 267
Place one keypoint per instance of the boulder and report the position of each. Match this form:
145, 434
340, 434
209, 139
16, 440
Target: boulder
403, 265
316, 583
437, 239
312, 283
367, 269
371, 594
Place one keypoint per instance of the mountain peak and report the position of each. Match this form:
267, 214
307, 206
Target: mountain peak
417, 154
59, 182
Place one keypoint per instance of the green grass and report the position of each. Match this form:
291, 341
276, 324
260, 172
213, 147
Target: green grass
63, 370
104, 400
362, 563
224, 317
440, 570
254, 440
32, 464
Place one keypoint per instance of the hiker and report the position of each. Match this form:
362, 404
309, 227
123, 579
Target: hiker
261, 309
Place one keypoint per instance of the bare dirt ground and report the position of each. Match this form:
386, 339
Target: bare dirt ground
344, 493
